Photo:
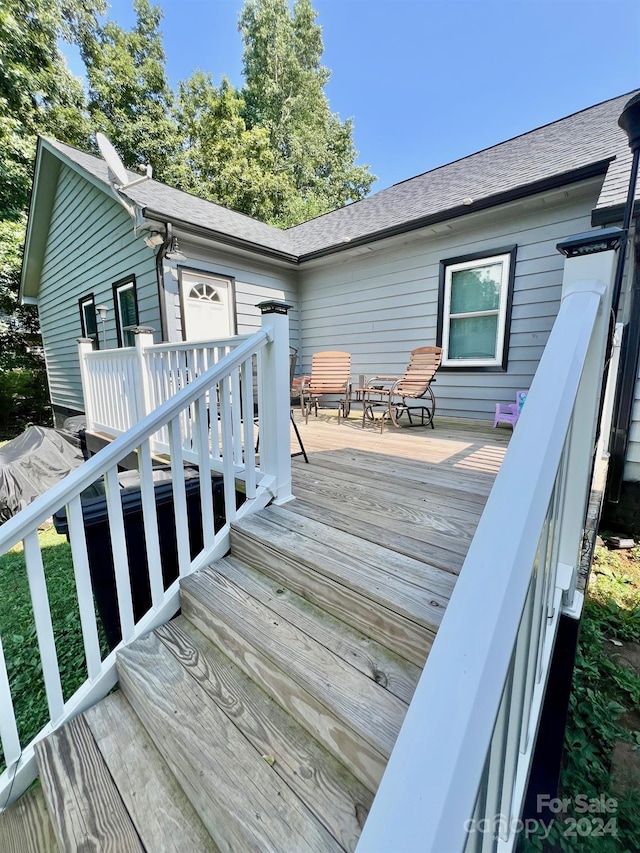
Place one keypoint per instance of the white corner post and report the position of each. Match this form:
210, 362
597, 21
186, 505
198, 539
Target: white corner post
85, 346
589, 267
275, 399
143, 339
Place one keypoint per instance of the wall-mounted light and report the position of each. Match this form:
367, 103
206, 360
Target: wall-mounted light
174, 253
154, 239
101, 311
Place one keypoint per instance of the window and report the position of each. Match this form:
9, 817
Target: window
88, 320
475, 308
124, 298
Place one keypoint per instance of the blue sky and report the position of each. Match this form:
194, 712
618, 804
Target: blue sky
429, 81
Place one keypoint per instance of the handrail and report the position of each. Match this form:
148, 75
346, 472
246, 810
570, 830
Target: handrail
212, 404
13, 530
185, 346
462, 757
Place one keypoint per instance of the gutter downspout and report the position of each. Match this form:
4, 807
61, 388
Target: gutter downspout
629, 121
168, 237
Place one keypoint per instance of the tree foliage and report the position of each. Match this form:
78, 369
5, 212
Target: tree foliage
38, 94
130, 100
284, 93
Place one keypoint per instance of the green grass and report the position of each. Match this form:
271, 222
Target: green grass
19, 640
603, 694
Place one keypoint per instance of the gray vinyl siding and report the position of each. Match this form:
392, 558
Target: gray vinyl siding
255, 281
91, 245
382, 303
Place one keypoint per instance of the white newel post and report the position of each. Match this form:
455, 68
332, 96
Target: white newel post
589, 266
275, 441
85, 346
143, 339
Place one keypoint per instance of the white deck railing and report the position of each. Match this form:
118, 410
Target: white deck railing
214, 401
121, 386
457, 776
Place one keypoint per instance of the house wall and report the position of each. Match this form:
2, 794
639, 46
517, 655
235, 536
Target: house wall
90, 246
256, 280
380, 302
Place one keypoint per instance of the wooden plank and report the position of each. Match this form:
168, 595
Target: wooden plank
310, 711
379, 530
162, 815
435, 486
387, 669
420, 494
25, 827
370, 711
422, 601
403, 636
85, 806
363, 504
323, 784
242, 802
375, 557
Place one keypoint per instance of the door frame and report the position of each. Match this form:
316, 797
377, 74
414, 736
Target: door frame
210, 274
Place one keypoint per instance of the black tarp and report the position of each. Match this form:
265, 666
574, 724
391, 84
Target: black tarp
33, 462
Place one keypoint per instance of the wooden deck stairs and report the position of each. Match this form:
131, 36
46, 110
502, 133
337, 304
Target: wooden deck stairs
260, 718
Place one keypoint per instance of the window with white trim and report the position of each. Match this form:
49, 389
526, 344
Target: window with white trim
475, 306
88, 319
124, 297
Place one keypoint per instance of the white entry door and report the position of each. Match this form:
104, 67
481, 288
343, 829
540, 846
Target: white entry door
206, 306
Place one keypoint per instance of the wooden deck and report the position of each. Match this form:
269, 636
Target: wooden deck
262, 717
416, 491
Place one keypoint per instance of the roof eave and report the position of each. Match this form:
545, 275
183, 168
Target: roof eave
612, 214
42, 195
563, 179
219, 236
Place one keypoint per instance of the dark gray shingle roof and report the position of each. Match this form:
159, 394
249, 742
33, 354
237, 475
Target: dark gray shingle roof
569, 144
175, 204
564, 146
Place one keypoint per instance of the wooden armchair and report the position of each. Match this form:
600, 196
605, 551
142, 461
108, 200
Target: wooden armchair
330, 375
411, 393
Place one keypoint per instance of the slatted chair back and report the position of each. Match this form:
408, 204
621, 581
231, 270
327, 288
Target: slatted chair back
330, 373
423, 364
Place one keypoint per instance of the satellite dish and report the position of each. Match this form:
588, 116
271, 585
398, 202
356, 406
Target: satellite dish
112, 159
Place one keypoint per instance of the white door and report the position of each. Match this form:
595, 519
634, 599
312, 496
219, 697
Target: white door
207, 308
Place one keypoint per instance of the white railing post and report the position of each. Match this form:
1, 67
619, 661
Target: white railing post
275, 442
589, 266
85, 346
143, 339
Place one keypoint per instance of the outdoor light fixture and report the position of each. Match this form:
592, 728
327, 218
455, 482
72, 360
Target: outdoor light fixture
174, 253
154, 239
101, 311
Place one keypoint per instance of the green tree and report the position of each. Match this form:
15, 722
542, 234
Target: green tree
223, 160
38, 94
284, 93
130, 100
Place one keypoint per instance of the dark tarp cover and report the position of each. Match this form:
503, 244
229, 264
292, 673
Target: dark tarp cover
32, 463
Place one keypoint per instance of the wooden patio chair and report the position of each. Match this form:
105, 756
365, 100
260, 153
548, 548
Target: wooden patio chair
330, 375
396, 395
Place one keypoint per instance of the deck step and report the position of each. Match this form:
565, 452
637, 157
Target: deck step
84, 805
242, 801
352, 716
327, 788
387, 669
25, 827
163, 817
397, 600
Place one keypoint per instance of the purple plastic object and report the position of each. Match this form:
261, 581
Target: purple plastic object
510, 412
